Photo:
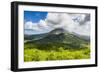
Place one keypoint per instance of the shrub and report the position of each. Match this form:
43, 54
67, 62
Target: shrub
54, 53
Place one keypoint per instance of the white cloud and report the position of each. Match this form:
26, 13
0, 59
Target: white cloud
83, 29
28, 25
36, 28
53, 18
31, 26
61, 20
42, 24
79, 17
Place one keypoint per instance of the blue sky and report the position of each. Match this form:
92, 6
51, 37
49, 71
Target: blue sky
34, 16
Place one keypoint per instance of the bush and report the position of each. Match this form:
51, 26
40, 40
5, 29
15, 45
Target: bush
33, 53
40, 55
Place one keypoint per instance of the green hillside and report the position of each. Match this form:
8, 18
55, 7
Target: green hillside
56, 45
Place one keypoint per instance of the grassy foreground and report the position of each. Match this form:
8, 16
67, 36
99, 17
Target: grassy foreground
35, 54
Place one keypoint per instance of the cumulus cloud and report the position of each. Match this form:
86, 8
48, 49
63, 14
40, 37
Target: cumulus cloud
31, 26
83, 29
42, 24
77, 23
59, 20
78, 17
82, 25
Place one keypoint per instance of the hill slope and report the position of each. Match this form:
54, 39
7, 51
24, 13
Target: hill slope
56, 39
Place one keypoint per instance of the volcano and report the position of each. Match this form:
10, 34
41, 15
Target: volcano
58, 38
